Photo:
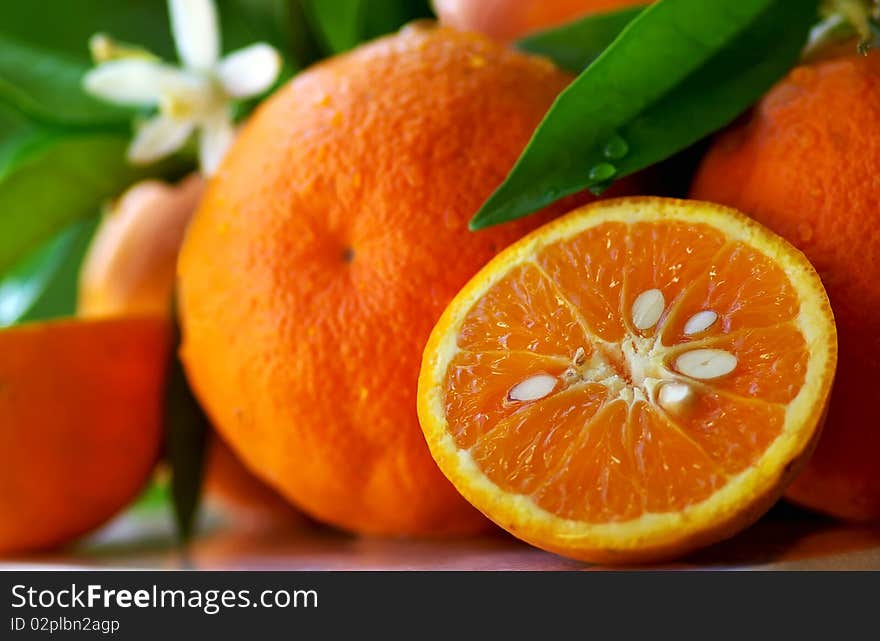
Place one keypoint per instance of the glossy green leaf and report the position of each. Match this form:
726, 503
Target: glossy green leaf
343, 24
46, 87
59, 293
155, 498
337, 24
49, 179
681, 70
43, 285
186, 431
575, 45
44, 54
278, 22
65, 27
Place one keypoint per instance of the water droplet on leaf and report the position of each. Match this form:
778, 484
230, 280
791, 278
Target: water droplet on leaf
616, 148
603, 172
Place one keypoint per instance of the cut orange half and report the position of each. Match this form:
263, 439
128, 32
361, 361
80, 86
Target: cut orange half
80, 424
637, 379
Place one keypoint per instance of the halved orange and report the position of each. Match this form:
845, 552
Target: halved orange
634, 380
80, 424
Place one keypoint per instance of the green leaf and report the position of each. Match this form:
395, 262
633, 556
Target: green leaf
23, 285
65, 27
186, 431
277, 22
47, 87
156, 497
343, 24
681, 70
49, 179
59, 296
337, 24
43, 285
43, 54
575, 45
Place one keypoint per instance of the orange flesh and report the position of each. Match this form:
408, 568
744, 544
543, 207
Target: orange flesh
599, 449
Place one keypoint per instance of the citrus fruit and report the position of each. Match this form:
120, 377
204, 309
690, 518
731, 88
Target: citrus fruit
634, 380
240, 494
130, 269
325, 248
511, 19
805, 164
80, 401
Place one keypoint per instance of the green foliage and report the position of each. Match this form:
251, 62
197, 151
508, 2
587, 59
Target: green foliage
186, 431
52, 178
574, 46
343, 24
679, 71
43, 285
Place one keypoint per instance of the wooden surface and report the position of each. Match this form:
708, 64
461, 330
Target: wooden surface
784, 539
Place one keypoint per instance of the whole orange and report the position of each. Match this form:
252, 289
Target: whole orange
510, 19
326, 248
807, 165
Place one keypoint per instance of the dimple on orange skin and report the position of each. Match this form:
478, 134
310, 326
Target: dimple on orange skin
325, 249
632, 381
81, 424
507, 20
805, 163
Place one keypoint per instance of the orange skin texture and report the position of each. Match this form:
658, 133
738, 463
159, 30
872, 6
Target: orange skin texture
508, 20
807, 165
325, 249
81, 429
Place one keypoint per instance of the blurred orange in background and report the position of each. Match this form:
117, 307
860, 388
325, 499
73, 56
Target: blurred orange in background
806, 164
508, 20
130, 270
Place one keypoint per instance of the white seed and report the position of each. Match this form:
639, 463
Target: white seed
674, 396
532, 388
700, 322
647, 308
705, 363
580, 355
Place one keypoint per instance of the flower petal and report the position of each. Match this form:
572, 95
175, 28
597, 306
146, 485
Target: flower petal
249, 71
159, 137
129, 81
217, 134
196, 34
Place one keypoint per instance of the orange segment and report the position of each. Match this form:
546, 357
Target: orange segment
525, 312
732, 432
675, 471
744, 287
480, 384
632, 381
668, 258
589, 272
611, 489
771, 362
523, 449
